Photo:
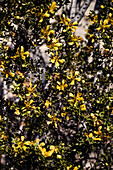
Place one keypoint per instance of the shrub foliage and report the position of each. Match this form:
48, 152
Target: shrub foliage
60, 122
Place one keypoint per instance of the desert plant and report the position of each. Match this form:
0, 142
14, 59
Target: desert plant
57, 125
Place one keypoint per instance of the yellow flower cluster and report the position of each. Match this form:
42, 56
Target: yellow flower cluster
95, 19
67, 22
20, 74
28, 105
64, 113
103, 25
21, 145
3, 64
56, 60
52, 8
47, 153
61, 85
20, 53
90, 135
73, 77
2, 135
44, 14
83, 107
74, 39
47, 104
31, 89
46, 33
41, 15
54, 119
17, 112
53, 44
5, 70
96, 135
75, 100
70, 167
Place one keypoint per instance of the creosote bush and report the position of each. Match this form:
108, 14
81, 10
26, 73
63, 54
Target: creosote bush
59, 123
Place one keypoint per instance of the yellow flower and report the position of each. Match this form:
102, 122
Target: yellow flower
22, 56
83, 107
71, 95
11, 74
73, 77
47, 103
67, 117
37, 140
93, 116
71, 43
49, 153
41, 19
105, 21
97, 132
75, 23
20, 52
76, 73
56, 60
67, 23
78, 79
78, 97
61, 85
58, 44
75, 168
26, 53
22, 49
52, 7
92, 40
43, 150
98, 29
46, 33
68, 167
102, 6
63, 114
110, 14
54, 45
52, 147
20, 74
99, 128
24, 147
46, 15
30, 88
95, 20
35, 95
97, 139
27, 143
28, 104
74, 39
103, 25
22, 138
59, 156
17, 112
53, 119
75, 99
42, 144
64, 20
90, 135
